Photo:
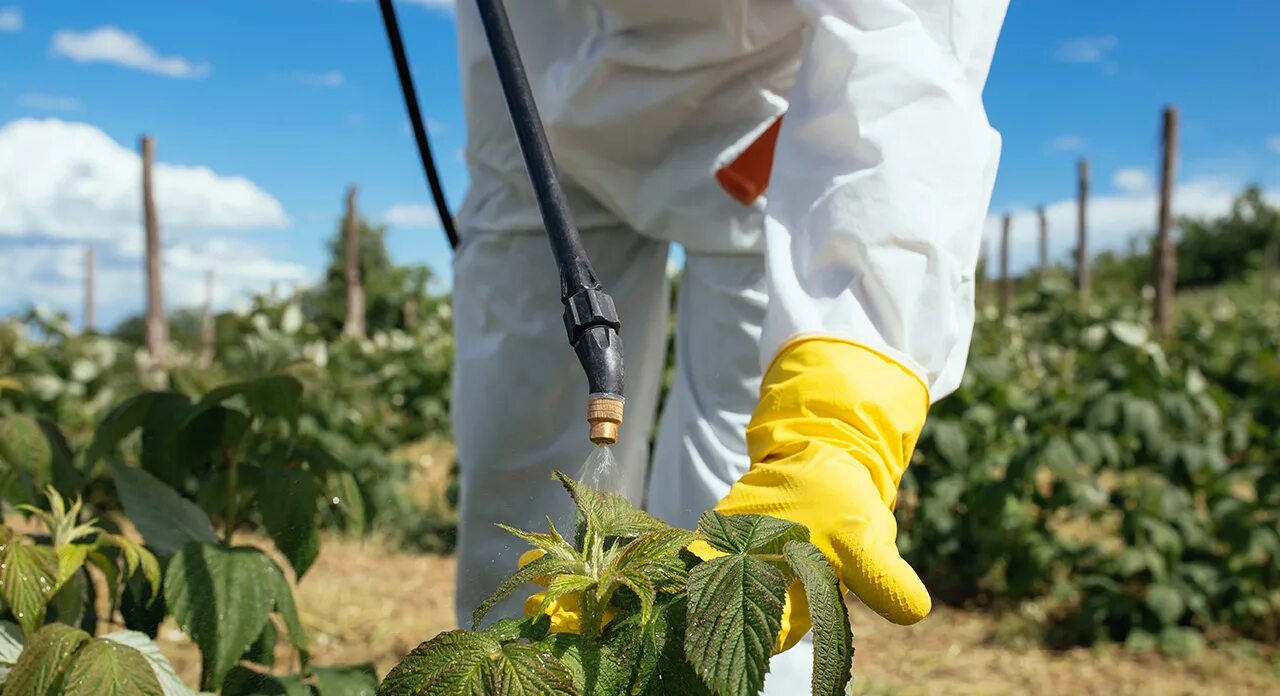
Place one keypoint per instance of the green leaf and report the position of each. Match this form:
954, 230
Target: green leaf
41, 667
345, 680
165, 519
273, 395
120, 422
26, 451
735, 613
562, 585
289, 513
655, 651
546, 565
221, 598
135, 557
164, 454
110, 668
596, 669
282, 595
657, 557
28, 579
474, 664
832, 635
608, 514
263, 650
67, 480
242, 681
165, 674
749, 533
1166, 603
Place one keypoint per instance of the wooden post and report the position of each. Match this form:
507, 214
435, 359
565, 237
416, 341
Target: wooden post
980, 281
89, 324
1006, 283
1164, 257
354, 325
1082, 229
207, 336
1044, 237
157, 331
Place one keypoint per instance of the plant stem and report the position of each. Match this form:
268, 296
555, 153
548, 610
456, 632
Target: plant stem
229, 517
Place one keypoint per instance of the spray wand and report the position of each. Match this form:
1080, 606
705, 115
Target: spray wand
590, 317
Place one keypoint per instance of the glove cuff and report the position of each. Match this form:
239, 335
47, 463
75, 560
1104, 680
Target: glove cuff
825, 391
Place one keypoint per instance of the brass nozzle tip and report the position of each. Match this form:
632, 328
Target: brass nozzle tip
604, 415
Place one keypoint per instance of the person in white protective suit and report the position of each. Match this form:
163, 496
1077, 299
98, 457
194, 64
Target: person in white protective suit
827, 296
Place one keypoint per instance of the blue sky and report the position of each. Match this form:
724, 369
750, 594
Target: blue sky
299, 98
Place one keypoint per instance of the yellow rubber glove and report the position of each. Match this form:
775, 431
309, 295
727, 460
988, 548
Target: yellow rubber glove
829, 441
565, 612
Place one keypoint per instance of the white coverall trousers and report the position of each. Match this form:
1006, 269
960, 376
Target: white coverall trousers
519, 394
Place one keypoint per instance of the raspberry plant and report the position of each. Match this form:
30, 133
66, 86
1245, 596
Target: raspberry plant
654, 617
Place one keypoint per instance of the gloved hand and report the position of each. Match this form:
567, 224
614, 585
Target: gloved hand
829, 441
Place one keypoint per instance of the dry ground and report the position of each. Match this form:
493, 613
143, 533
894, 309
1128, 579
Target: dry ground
366, 603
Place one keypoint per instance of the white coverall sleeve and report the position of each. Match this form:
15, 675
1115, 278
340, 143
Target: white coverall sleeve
881, 182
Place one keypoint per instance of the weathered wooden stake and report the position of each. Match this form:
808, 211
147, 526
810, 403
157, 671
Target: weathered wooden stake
1164, 256
89, 324
980, 281
1082, 229
157, 330
1044, 237
354, 325
207, 335
1006, 283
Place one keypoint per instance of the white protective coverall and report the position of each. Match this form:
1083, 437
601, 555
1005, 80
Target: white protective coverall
880, 185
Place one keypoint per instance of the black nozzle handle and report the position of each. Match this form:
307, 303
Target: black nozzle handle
589, 314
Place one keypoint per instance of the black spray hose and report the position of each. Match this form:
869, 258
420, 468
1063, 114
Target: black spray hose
589, 314
415, 120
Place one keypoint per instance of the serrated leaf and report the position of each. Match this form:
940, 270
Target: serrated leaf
28, 579
749, 533
544, 565
170, 685
135, 557
551, 543
608, 514
110, 668
290, 514
657, 557
562, 585
596, 669
464, 663
221, 598
533, 629
832, 635
345, 680
66, 479
165, 519
735, 613
40, 669
655, 651
282, 597
273, 395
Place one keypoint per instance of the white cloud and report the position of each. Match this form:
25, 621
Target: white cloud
1087, 49
119, 47
1273, 143
412, 215
1113, 220
68, 180
65, 184
48, 102
332, 78
1067, 143
1133, 180
10, 18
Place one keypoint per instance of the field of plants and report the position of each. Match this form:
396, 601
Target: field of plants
1089, 486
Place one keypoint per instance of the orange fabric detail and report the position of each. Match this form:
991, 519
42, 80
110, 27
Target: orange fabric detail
747, 176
